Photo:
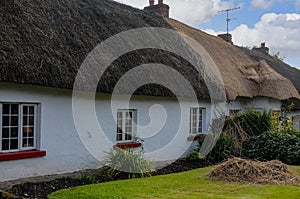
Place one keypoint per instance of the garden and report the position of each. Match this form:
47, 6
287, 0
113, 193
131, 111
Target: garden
252, 158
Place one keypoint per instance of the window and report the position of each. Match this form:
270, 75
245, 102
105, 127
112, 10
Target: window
18, 127
196, 120
125, 127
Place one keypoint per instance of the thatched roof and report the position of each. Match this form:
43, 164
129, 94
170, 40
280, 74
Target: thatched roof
45, 42
291, 73
242, 75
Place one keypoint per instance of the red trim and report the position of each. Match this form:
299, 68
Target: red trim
195, 137
21, 155
128, 145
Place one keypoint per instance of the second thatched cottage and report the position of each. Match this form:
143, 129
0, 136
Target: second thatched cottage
43, 45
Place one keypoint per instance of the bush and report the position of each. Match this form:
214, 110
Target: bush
282, 122
193, 157
272, 146
127, 162
88, 179
251, 122
223, 149
295, 133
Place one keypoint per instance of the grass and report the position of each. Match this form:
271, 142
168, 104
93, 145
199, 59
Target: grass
190, 184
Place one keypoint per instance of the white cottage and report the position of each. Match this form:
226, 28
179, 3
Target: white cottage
291, 73
43, 45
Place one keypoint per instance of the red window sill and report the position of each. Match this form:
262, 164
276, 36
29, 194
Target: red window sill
128, 145
21, 155
195, 137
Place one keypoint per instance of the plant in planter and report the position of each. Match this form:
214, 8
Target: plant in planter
127, 162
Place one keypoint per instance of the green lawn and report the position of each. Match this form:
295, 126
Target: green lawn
189, 184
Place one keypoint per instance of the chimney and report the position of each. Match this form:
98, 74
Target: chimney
151, 2
226, 37
160, 8
262, 48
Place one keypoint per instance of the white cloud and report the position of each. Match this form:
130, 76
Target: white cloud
279, 31
212, 32
261, 4
191, 12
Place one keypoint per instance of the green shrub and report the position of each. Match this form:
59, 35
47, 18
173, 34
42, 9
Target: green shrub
128, 162
194, 157
88, 179
273, 145
295, 133
223, 149
5, 195
252, 122
282, 122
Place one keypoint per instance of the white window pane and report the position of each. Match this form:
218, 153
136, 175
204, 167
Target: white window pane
13, 144
10, 122
196, 122
124, 125
5, 109
119, 136
119, 115
14, 109
128, 136
28, 126
5, 144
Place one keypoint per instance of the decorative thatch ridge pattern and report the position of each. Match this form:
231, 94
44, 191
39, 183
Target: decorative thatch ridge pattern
232, 63
291, 73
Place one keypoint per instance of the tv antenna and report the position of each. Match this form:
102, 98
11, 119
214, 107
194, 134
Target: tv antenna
227, 18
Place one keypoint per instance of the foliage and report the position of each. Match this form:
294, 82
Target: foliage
295, 133
237, 128
251, 122
223, 149
5, 195
194, 156
272, 146
88, 179
190, 184
282, 123
139, 140
127, 162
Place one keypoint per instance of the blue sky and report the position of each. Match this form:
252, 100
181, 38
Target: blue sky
246, 15
276, 22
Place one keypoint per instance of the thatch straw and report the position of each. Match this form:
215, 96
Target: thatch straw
240, 170
232, 62
291, 73
45, 42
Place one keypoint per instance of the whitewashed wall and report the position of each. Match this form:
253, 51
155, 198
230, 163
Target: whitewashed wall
258, 103
65, 151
